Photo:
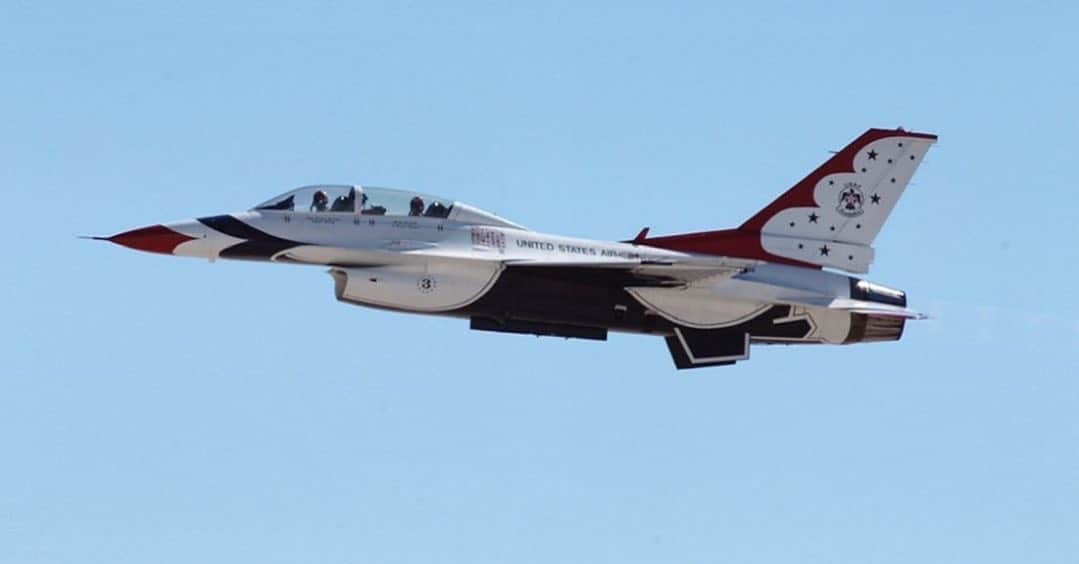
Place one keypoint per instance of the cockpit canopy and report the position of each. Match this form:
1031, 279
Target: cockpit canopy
353, 199
374, 201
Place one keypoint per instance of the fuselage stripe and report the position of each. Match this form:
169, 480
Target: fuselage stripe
258, 244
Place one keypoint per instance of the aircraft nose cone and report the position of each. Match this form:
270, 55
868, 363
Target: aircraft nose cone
153, 239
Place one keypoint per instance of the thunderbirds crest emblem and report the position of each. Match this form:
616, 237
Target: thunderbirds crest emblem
850, 200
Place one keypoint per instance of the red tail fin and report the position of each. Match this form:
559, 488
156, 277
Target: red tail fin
831, 216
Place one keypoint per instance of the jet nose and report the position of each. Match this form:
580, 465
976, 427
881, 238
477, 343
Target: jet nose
153, 239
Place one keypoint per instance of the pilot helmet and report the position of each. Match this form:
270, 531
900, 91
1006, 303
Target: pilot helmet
416, 205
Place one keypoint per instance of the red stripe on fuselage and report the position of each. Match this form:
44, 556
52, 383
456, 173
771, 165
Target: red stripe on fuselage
726, 242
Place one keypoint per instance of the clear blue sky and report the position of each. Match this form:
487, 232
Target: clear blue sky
159, 409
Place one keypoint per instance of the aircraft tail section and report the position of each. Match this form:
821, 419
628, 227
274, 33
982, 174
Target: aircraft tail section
849, 197
829, 218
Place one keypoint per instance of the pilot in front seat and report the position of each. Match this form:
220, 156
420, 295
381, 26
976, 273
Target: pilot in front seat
415, 207
319, 201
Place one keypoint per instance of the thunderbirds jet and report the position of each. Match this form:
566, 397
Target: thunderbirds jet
777, 278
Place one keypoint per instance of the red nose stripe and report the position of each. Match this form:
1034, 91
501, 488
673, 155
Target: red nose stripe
154, 239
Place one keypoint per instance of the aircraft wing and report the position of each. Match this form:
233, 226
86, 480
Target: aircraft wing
676, 272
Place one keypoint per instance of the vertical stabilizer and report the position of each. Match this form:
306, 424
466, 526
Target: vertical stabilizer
831, 217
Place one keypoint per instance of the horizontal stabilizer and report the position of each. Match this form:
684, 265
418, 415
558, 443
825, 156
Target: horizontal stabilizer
857, 306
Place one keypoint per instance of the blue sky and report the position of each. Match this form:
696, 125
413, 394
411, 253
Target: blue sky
171, 410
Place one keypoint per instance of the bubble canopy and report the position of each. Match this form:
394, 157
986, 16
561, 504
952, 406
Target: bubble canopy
341, 198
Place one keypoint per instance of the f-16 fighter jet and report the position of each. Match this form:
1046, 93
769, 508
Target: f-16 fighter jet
777, 278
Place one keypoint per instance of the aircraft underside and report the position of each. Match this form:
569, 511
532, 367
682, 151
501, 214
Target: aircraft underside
586, 304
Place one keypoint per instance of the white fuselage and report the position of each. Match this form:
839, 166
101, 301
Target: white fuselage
708, 294
438, 265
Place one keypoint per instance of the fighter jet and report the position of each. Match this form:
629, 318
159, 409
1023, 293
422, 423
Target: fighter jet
779, 277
